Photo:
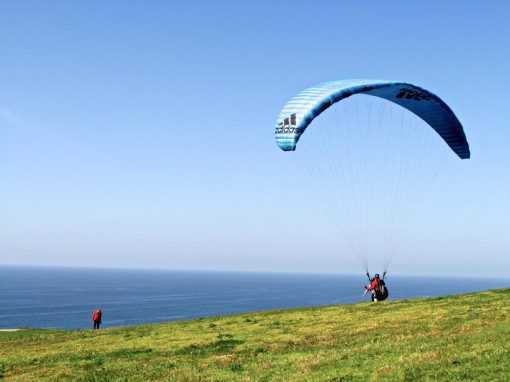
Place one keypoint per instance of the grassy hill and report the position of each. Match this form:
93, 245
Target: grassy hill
454, 338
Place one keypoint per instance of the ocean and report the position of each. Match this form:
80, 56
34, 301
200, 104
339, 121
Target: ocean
64, 298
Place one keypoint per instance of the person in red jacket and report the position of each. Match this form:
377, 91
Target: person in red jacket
96, 317
378, 289
374, 285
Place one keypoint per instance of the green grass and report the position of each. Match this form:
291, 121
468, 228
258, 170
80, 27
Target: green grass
458, 338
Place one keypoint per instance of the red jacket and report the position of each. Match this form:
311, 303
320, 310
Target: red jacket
374, 285
96, 316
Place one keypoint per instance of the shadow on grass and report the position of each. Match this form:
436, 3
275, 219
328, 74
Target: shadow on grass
224, 344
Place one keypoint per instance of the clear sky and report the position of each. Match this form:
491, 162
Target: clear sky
140, 134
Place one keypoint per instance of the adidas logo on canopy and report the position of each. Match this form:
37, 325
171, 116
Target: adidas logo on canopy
288, 125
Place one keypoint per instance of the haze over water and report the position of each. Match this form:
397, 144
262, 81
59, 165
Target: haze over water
44, 297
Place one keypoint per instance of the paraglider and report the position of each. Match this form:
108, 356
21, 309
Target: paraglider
378, 288
369, 180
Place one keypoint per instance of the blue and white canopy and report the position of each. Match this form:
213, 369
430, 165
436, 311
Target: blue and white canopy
301, 110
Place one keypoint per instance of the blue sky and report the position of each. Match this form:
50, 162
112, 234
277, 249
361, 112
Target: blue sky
140, 134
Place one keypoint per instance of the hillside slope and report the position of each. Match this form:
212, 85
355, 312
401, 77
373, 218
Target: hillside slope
453, 338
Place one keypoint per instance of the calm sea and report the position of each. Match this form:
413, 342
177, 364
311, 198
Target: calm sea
40, 297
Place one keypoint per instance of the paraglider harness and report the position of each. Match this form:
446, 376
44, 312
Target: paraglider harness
381, 292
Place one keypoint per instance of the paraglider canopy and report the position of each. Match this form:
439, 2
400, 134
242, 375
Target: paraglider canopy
372, 159
302, 109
